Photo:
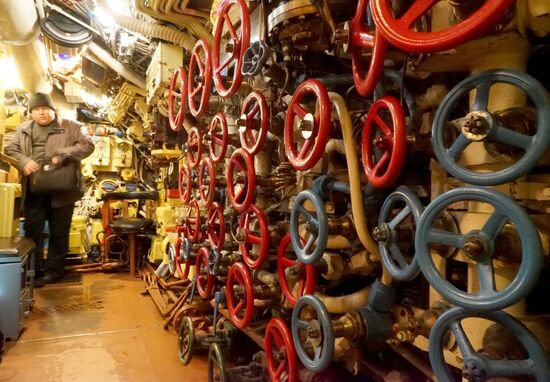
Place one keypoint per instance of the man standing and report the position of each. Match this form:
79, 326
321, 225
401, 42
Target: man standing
47, 138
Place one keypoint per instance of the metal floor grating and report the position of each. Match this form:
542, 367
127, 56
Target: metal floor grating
68, 308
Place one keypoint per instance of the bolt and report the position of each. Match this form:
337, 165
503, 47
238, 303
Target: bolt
312, 332
293, 270
311, 227
241, 235
472, 373
473, 247
380, 233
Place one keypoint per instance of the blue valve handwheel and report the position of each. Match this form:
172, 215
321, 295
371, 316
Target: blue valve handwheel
490, 128
323, 349
505, 209
317, 227
479, 364
392, 257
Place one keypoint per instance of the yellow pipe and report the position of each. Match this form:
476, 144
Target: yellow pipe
343, 304
359, 218
190, 22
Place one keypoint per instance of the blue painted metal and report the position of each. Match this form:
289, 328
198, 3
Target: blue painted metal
534, 146
392, 257
322, 353
479, 365
317, 224
505, 209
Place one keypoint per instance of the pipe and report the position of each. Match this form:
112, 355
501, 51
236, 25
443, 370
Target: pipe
157, 31
19, 27
114, 64
344, 304
194, 26
354, 175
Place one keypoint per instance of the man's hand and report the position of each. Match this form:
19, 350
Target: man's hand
56, 160
31, 167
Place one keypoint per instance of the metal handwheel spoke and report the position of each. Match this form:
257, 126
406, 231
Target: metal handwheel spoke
383, 126
486, 277
399, 217
300, 111
398, 256
505, 368
511, 137
494, 224
461, 339
458, 146
451, 239
305, 213
482, 96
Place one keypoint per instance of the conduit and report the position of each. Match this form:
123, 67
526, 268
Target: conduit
156, 31
189, 22
114, 64
359, 218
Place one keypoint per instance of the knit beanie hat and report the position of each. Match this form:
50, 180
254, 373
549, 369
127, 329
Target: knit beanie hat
40, 99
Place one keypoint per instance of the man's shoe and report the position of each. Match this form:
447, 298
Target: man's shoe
46, 279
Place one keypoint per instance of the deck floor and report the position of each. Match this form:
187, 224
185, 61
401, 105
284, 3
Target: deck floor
100, 329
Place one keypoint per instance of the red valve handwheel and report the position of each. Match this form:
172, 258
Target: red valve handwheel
254, 228
183, 267
399, 32
218, 137
198, 84
207, 173
194, 147
184, 184
255, 113
205, 281
176, 98
280, 354
216, 225
318, 123
241, 40
240, 307
241, 162
193, 221
307, 279
391, 143
359, 38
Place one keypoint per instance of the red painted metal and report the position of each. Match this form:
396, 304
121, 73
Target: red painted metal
205, 280
240, 305
383, 155
194, 147
318, 123
177, 97
198, 84
240, 40
241, 165
216, 225
207, 173
361, 37
254, 228
306, 280
278, 340
255, 113
399, 32
218, 137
